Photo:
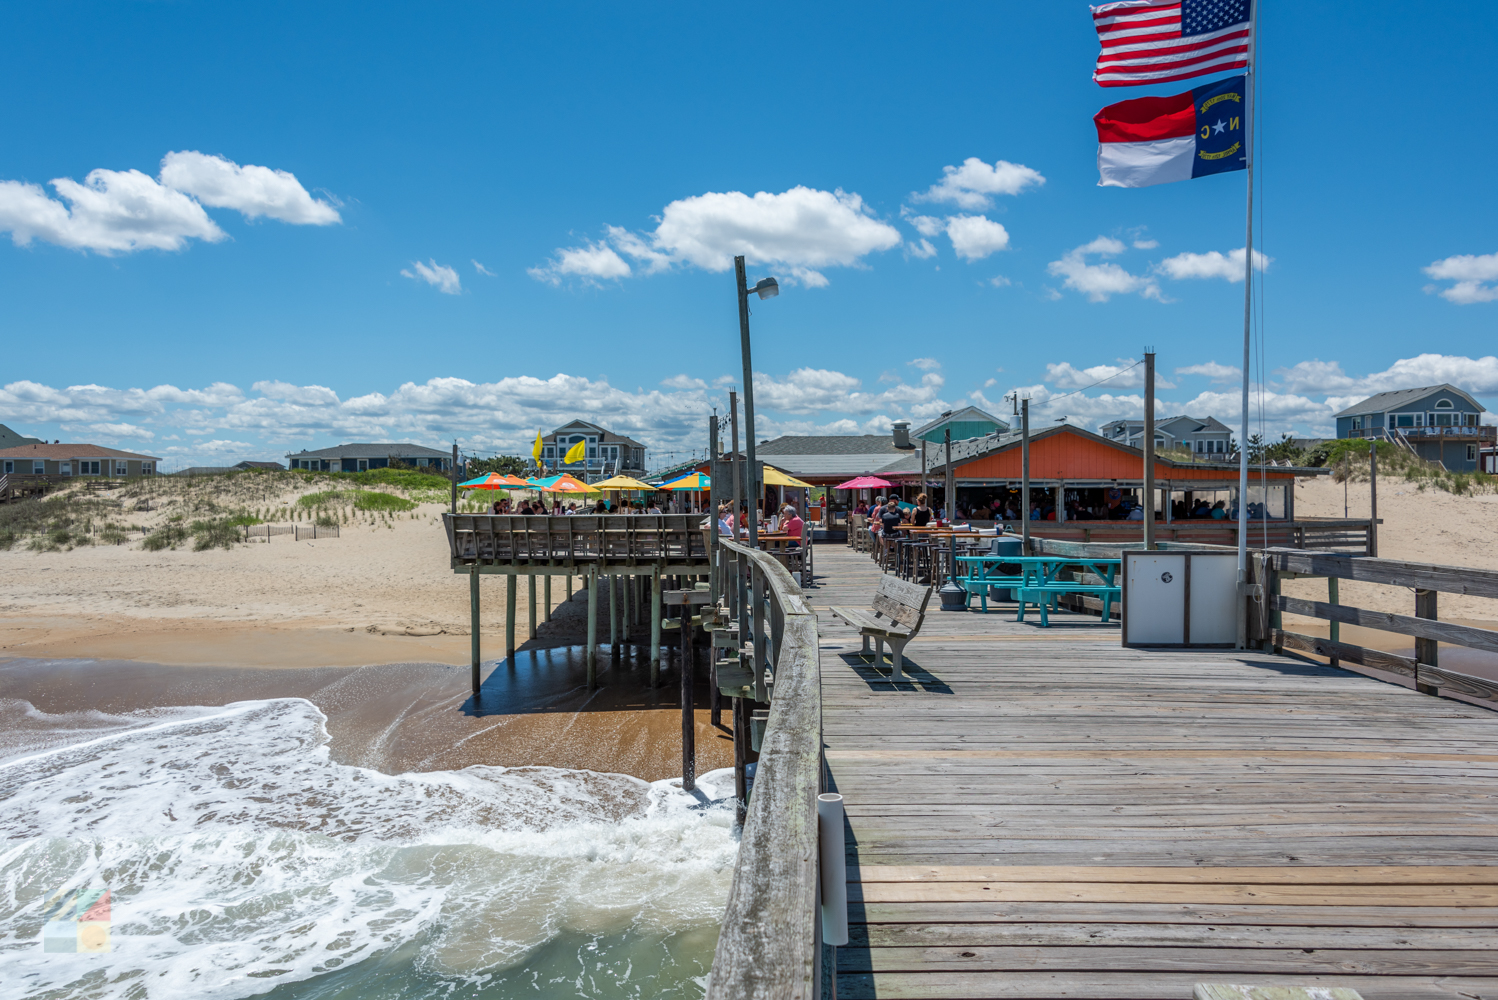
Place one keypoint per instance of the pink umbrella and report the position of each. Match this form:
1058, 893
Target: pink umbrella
864, 483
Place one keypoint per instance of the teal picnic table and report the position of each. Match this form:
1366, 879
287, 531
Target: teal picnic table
983, 572
1040, 584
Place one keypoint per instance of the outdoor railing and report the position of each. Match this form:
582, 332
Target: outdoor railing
1425, 579
1347, 535
505, 538
770, 945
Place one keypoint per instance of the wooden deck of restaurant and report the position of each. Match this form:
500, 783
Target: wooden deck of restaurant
1042, 813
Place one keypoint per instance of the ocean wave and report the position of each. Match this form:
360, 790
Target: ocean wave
240, 858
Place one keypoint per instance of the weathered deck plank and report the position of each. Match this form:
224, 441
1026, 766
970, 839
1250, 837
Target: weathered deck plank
1042, 813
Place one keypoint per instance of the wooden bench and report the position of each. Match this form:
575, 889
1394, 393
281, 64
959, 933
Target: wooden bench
898, 610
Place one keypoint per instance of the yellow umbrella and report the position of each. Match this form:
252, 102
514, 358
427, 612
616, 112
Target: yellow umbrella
622, 483
774, 477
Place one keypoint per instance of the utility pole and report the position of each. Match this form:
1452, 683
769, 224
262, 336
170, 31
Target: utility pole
738, 267
1149, 450
1024, 423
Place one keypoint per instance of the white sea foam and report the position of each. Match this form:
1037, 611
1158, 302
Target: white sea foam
241, 858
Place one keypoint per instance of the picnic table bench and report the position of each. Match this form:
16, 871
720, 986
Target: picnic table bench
1041, 586
898, 610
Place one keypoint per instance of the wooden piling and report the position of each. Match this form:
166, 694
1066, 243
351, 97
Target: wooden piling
1425, 649
592, 582
546, 598
473, 620
688, 716
614, 617
530, 619
740, 759
569, 586
510, 584
655, 628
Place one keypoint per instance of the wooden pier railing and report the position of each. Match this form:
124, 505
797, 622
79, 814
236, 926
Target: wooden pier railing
1349, 535
488, 539
1425, 579
770, 945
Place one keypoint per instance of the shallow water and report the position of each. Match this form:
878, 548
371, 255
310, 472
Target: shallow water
242, 860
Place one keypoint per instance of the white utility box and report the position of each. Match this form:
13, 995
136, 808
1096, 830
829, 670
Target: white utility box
1180, 598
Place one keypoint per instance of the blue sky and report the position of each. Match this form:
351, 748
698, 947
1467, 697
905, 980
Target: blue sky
206, 311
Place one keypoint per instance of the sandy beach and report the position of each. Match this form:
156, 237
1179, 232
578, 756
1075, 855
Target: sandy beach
371, 626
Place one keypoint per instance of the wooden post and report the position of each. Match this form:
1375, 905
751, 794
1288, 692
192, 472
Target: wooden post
740, 759
1147, 494
1335, 631
473, 618
569, 586
455, 481
1373, 505
1276, 617
613, 617
592, 583
530, 623
1060, 501
1024, 514
546, 597
655, 628
688, 716
510, 584
1425, 649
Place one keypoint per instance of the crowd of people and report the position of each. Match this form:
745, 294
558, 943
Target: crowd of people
888, 516
785, 521
505, 505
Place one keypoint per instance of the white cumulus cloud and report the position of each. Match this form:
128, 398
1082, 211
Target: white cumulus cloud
973, 185
1213, 371
1211, 264
800, 231
1126, 374
976, 236
250, 190
445, 279
1476, 375
111, 212
1101, 281
124, 211
1472, 275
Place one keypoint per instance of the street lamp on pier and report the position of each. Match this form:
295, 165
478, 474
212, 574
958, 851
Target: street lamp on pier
765, 288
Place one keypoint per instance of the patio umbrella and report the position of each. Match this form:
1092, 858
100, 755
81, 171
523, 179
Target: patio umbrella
623, 483
864, 483
494, 481
774, 477
691, 481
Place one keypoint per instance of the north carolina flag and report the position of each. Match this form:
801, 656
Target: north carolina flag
1156, 140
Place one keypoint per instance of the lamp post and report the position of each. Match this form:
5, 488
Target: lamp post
766, 288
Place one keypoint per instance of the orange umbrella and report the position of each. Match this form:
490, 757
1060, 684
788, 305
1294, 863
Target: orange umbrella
494, 481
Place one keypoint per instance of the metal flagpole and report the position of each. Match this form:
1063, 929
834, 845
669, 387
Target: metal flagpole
1248, 283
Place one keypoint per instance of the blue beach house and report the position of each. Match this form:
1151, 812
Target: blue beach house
1439, 423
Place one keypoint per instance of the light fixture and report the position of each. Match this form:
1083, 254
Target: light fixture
766, 288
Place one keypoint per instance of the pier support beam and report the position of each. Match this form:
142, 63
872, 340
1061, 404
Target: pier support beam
740, 759
530, 618
510, 584
569, 586
614, 616
473, 620
592, 583
688, 714
655, 628
546, 597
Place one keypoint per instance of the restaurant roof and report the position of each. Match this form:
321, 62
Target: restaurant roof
64, 452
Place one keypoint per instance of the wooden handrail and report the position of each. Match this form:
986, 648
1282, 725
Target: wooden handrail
770, 944
1426, 579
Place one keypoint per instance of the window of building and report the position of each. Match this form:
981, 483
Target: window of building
1470, 419
1444, 404
1404, 420
1357, 423
1471, 452
121, 469
147, 468
1441, 419
10, 467
38, 468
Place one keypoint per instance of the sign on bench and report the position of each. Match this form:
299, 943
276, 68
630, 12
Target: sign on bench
898, 610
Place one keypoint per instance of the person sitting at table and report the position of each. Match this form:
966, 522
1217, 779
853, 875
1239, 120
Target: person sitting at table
496, 507
725, 519
890, 519
921, 515
791, 524
1136, 513
1219, 511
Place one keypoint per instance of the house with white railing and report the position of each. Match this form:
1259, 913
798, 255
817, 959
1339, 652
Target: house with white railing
1439, 423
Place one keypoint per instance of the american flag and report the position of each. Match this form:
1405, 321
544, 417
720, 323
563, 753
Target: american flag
1149, 41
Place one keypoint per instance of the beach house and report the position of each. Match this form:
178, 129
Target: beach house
1439, 423
363, 457
65, 460
1199, 435
607, 453
968, 422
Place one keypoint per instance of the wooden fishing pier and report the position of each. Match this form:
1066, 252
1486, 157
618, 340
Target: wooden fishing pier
1041, 813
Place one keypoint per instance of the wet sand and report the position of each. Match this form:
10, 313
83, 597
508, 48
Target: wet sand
533, 710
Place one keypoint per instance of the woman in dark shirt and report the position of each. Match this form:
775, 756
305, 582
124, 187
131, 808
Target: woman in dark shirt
891, 518
921, 516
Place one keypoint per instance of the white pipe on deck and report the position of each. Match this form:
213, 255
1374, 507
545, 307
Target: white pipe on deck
834, 869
